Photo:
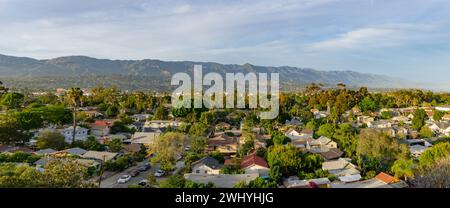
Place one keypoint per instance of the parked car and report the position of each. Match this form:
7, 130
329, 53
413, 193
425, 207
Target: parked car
144, 167
159, 173
124, 179
134, 173
143, 183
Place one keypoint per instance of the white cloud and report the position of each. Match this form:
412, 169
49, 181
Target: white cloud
388, 35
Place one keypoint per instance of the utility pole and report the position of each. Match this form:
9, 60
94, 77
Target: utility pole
101, 171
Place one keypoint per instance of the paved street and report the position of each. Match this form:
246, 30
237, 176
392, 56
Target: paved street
111, 182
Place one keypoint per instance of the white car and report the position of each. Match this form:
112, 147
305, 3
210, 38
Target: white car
124, 179
159, 173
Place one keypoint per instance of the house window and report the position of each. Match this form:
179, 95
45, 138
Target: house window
206, 171
197, 171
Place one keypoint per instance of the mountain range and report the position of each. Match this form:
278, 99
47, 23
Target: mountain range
83, 71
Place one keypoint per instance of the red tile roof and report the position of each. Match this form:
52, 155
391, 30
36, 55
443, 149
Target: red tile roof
103, 123
386, 178
253, 159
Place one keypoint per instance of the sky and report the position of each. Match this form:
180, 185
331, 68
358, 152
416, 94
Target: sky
409, 39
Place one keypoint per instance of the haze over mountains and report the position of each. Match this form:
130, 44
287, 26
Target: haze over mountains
151, 74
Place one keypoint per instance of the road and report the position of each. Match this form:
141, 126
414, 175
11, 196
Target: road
111, 182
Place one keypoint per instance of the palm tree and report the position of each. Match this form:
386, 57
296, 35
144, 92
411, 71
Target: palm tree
74, 95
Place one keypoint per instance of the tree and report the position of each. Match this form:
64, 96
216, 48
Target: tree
51, 139
12, 100
386, 115
118, 127
346, 138
436, 175
403, 168
419, 119
92, 144
435, 153
111, 111
74, 95
11, 134
438, 115
115, 145
169, 147
367, 104
65, 173
198, 144
275, 173
326, 130
286, 157
198, 129
425, 132
161, 113
377, 151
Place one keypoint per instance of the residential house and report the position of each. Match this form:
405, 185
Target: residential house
295, 182
206, 165
221, 180
340, 167
157, 124
417, 146
445, 108
101, 128
364, 120
93, 113
295, 121
302, 135
72, 151
380, 124
382, 180
331, 154
133, 148
81, 134
224, 144
322, 144
140, 117
255, 164
145, 138
47, 151
100, 156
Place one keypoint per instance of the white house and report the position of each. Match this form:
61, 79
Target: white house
81, 134
443, 108
295, 135
206, 165
322, 144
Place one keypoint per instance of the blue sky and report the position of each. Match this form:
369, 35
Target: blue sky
401, 38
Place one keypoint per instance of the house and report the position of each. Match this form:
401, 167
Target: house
221, 180
100, 156
340, 167
156, 124
295, 121
319, 114
45, 151
74, 151
222, 126
364, 120
224, 144
331, 154
380, 124
417, 146
302, 135
145, 138
255, 164
206, 165
382, 180
140, 117
445, 108
403, 119
101, 128
81, 134
446, 118
440, 127
133, 148
93, 113
322, 144
295, 182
